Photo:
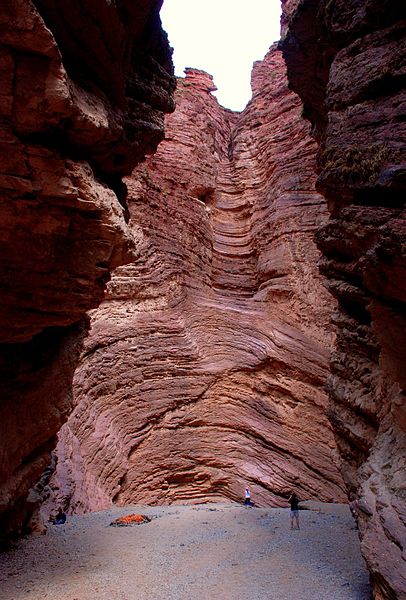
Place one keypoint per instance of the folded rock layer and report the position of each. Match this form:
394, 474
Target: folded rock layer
347, 62
83, 89
205, 365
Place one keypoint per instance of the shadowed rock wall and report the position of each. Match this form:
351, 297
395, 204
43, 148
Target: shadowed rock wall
83, 88
205, 366
347, 62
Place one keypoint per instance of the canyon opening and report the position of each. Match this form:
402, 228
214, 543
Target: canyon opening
196, 301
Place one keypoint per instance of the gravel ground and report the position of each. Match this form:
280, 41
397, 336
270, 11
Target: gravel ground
203, 552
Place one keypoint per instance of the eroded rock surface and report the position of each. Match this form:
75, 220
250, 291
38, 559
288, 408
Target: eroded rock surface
205, 366
347, 62
83, 89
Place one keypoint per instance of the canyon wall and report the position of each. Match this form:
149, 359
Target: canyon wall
346, 60
205, 365
83, 89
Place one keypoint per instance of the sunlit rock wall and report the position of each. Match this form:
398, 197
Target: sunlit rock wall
347, 62
205, 366
83, 88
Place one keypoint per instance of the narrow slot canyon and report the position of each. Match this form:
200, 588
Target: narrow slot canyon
211, 379
195, 300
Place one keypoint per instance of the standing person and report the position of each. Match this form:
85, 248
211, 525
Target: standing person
294, 510
247, 501
60, 518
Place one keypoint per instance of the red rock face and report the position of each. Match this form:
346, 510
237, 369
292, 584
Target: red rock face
205, 366
83, 89
353, 90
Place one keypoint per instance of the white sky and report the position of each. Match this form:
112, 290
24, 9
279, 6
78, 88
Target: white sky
224, 38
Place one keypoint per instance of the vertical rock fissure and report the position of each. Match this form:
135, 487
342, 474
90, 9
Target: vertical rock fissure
234, 257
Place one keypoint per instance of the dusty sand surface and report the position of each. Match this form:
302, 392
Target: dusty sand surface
199, 552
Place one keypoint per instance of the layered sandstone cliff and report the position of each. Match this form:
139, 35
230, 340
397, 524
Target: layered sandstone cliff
347, 62
83, 88
205, 365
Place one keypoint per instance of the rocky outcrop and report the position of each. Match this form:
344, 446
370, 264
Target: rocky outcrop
205, 365
83, 90
347, 62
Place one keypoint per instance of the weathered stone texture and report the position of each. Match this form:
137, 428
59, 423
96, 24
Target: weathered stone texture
205, 366
83, 88
347, 62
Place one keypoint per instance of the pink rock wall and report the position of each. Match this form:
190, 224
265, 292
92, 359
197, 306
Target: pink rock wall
83, 88
347, 62
205, 366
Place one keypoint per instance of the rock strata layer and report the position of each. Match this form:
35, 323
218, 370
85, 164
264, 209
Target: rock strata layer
347, 62
205, 365
83, 89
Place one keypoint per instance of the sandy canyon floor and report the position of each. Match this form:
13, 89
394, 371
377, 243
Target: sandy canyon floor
211, 551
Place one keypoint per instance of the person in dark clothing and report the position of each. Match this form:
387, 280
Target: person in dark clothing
60, 518
294, 511
247, 501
